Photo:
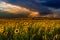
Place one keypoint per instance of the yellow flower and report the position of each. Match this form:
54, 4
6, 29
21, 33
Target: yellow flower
57, 25
16, 31
1, 29
5, 34
25, 23
17, 24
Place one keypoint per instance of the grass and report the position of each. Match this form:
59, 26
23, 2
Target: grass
30, 30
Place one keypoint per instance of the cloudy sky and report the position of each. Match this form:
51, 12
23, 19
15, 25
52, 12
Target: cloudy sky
29, 8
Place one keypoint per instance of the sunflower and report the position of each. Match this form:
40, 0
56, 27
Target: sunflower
16, 31
5, 33
1, 29
25, 23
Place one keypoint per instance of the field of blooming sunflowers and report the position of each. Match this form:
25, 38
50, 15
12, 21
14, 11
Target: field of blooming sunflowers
30, 30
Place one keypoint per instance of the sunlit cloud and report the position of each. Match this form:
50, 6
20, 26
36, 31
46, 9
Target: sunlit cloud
13, 9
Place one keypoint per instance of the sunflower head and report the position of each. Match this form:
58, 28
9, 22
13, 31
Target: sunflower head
16, 31
5, 33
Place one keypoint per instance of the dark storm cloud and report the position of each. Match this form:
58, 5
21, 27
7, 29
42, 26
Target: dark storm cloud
52, 3
29, 4
32, 5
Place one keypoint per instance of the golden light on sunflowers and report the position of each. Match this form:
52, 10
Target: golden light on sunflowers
44, 29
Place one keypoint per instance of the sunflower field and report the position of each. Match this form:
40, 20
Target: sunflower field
30, 30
